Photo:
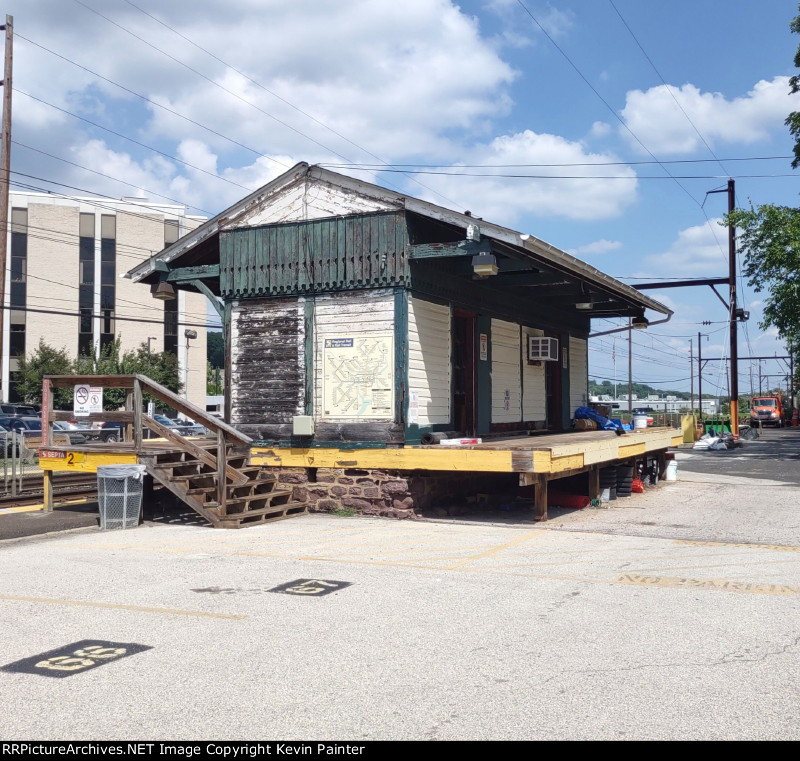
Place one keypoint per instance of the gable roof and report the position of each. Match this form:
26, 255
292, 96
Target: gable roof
369, 197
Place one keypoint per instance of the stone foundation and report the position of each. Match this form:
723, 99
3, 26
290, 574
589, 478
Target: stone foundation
395, 494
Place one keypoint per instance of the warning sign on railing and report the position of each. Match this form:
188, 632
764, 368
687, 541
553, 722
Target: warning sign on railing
87, 399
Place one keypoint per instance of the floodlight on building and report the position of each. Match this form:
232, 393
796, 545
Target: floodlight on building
162, 290
484, 265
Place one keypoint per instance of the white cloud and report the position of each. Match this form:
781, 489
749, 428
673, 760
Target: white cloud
698, 251
655, 118
601, 246
600, 129
505, 200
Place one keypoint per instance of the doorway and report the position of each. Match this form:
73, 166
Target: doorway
552, 384
464, 377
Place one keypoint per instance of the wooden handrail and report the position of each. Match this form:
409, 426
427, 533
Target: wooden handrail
191, 410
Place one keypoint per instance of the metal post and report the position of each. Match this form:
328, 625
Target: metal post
691, 378
700, 377
630, 370
734, 323
5, 177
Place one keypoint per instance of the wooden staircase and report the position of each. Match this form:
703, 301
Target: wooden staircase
249, 500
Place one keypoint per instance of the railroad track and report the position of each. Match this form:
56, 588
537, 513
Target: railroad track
67, 487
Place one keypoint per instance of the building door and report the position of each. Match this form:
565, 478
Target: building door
553, 386
464, 378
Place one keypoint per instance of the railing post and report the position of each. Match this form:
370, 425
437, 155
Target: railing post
47, 440
137, 414
222, 481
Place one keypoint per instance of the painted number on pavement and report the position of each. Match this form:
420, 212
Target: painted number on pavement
75, 658
311, 587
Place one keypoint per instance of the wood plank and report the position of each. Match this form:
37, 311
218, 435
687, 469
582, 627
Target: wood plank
106, 381
594, 482
118, 416
222, 464
407, 458
137, 414
47, 488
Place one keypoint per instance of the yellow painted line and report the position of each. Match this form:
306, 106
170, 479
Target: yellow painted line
32, 508
745, 545
115, 606
709, 565
495, 550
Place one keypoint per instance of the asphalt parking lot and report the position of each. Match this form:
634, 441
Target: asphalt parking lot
673, 617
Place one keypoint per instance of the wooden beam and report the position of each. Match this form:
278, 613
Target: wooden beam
222, 486
594, 482
137, 414
540, 498
118, 416
187, 274
517, 277
47, 490
211, 296
129, 408
106, 381
441, 250
190, 410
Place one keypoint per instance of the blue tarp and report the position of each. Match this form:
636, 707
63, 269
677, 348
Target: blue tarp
587, 413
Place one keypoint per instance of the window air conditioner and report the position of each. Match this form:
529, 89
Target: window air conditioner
542, 348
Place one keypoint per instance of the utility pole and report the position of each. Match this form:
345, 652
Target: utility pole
5, 179
691, 378
760, 390
630, 368
734, 324
700, 376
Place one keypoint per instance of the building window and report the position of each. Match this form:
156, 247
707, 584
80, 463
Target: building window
171, 234
86, 284
18, 298
108, 274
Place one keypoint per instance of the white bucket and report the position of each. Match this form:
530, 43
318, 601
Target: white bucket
640, 421
671, 474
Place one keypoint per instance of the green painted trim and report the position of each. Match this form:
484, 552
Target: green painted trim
302, 444
227, 320
483, 413
187, 274
566, 411
209, 294
401, 355
308, 353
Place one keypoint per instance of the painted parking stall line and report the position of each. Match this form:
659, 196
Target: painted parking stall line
75, 658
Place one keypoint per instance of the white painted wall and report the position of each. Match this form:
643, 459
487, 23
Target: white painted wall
429, 360
578, 373
506, 372
344, 315
534, 400
309, 199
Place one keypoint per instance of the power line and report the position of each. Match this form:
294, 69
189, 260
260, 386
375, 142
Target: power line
132, 140
102, 317
664, 82
380, 167
510, 176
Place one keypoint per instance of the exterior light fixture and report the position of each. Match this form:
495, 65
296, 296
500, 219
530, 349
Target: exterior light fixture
742, 315
484, 265
188, 333
162, 291
584, 305
640, 322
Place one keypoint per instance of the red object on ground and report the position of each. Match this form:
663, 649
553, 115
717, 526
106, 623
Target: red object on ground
637, 486
562, 499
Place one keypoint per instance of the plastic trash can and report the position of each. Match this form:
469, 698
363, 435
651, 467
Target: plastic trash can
119, 494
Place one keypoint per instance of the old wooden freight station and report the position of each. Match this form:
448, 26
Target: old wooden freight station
363, 325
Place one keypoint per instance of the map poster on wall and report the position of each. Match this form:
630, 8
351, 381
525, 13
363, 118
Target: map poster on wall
358, 376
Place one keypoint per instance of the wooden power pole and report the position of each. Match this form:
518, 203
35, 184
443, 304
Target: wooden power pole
5, 180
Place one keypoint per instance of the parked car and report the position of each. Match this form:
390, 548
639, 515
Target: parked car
184, 427
72, 432
27, 427
18, 410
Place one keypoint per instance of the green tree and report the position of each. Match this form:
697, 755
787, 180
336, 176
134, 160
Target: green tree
45, 360
216, 348
793, 120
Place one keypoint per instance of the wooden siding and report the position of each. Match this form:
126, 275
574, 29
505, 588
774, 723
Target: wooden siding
333, 254
506, 373
578, 374
534, 401
344, 315
267, 384
429, 360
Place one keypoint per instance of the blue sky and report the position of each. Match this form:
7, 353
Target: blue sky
440, 86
